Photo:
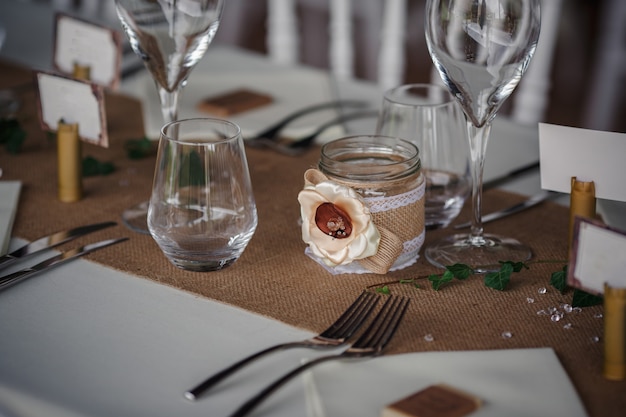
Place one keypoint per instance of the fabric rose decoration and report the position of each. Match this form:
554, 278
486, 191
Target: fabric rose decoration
336, 223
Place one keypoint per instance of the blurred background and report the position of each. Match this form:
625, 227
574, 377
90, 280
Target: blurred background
589, 54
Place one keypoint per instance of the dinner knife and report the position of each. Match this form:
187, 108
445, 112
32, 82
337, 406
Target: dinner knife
50, 241
528, 203
16, 277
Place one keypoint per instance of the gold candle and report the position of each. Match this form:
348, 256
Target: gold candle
614, 333
82, 72
70, 187
582, 203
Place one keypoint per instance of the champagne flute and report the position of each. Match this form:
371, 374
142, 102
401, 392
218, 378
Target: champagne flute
481, 49
170, 36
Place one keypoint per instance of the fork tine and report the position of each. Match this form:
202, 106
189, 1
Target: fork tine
352, 318
380, 331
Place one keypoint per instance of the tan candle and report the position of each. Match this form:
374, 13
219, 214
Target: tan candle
582, 203
70, 186
82, 72
614, 333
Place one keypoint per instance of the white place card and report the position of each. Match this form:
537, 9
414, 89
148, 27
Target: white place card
73, 101
597, 257
87, 44
588, 155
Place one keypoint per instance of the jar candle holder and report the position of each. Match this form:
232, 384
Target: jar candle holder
363, 208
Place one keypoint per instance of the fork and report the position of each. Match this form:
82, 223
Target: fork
370, 344
300, 145
335, 335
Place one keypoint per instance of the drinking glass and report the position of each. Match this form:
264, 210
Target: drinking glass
170, 36
481, 49
202, 212
429, 117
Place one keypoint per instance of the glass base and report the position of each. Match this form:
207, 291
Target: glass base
202, 266
483, 254
136, 218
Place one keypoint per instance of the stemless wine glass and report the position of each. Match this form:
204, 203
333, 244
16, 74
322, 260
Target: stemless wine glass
429, 117
481, 49
171, 36
202, 212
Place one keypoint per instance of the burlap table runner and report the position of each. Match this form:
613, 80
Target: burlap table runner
274, 277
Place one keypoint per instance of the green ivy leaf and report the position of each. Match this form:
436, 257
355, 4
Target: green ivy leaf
460, 271
12, 135
383, 290
139, 148
438, 280
558, 280
517, 266
92, 167
500, 279
584, 299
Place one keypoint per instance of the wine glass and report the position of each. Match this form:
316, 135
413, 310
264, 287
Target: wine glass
170, 36
481, 49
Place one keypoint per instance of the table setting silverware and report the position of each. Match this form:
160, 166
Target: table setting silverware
334, 336
268, 137
19, 276
299, 145
50, 241
371, 343
516, 208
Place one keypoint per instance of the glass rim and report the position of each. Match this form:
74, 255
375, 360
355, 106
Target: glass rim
231, 136
390, 96
363, 145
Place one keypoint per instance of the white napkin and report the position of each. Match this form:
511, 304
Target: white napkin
9, 196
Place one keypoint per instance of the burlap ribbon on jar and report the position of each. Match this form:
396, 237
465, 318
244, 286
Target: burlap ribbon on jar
398, 216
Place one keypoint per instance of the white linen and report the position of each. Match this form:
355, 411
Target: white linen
9, 198
87, 340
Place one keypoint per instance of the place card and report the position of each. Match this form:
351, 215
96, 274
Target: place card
588, 155
597, 256
72, 101
78, 42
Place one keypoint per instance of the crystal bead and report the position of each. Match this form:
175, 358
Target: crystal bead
577, 309
507, 335
597, 316
567, 308
555, 317
530, 300
542, 313
595, 339
568, 326
542, 290
429, 337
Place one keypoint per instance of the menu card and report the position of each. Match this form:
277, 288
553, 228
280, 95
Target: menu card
588, 155
73, 101
89, 45
597, 256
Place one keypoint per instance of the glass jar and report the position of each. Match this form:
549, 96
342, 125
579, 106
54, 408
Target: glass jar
386, 172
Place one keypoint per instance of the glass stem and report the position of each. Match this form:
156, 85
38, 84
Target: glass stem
478, 138
169, 104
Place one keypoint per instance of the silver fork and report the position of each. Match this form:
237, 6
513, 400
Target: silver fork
370, 344
335, 335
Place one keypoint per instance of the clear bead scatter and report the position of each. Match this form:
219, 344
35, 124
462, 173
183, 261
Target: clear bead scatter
429, 337
542, 290
530, 300
507, 335
568, 326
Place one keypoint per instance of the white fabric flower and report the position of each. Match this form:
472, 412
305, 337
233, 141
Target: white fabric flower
336, 223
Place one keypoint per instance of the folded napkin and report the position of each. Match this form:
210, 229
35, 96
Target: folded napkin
9, 196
